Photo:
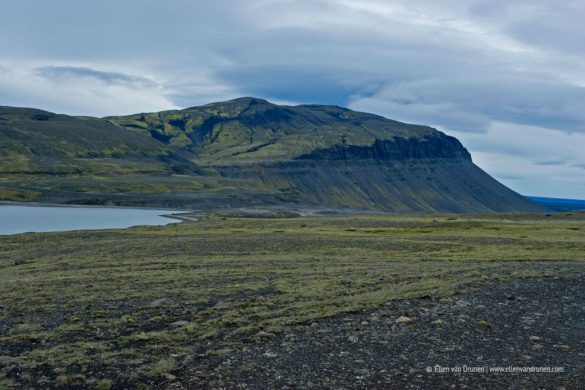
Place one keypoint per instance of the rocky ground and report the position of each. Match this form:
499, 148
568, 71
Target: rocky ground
416, 344
273, 303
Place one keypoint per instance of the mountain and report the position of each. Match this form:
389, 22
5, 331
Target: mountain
247, 152
559, 204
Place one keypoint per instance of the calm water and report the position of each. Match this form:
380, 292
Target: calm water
21, 219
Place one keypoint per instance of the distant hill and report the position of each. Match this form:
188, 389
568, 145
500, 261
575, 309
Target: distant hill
558, 204
247, 151
39, 142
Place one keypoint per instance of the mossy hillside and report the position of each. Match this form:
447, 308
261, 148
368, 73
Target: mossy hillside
126, 305
39, 142
251, 130
18, 195
175, 191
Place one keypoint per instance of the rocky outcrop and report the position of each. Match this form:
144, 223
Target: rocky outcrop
431, 146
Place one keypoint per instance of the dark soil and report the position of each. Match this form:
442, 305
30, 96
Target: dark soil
478, 329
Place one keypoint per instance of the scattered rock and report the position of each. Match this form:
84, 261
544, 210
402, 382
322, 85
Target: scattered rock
266, 335
403, 320
44, 382
221, 352
221, 305
161, 302
528, 320
26, 327
484, 325
180, 323
534, 339
19, 261
7, 360
167, 376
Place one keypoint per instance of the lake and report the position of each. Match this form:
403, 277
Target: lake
20, 219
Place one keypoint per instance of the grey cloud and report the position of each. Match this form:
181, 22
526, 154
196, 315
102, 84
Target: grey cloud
67, 73
471, 104
551, 162
291, 83
147, 31
445, 115
552, 33
555, 26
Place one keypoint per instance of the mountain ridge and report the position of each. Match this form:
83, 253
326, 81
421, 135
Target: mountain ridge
218, 131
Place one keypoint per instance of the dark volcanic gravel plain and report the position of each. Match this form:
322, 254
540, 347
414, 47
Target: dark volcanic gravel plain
523, 323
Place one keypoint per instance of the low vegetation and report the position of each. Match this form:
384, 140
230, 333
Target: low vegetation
128, 308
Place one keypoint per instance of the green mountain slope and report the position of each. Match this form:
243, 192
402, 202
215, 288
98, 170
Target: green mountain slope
245, 152
35, 141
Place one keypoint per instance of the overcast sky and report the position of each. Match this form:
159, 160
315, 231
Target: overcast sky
506, 77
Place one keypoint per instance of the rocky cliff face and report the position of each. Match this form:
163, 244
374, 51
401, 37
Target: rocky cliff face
437, 145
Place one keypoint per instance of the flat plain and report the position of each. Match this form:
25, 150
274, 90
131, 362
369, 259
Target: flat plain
167, 307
